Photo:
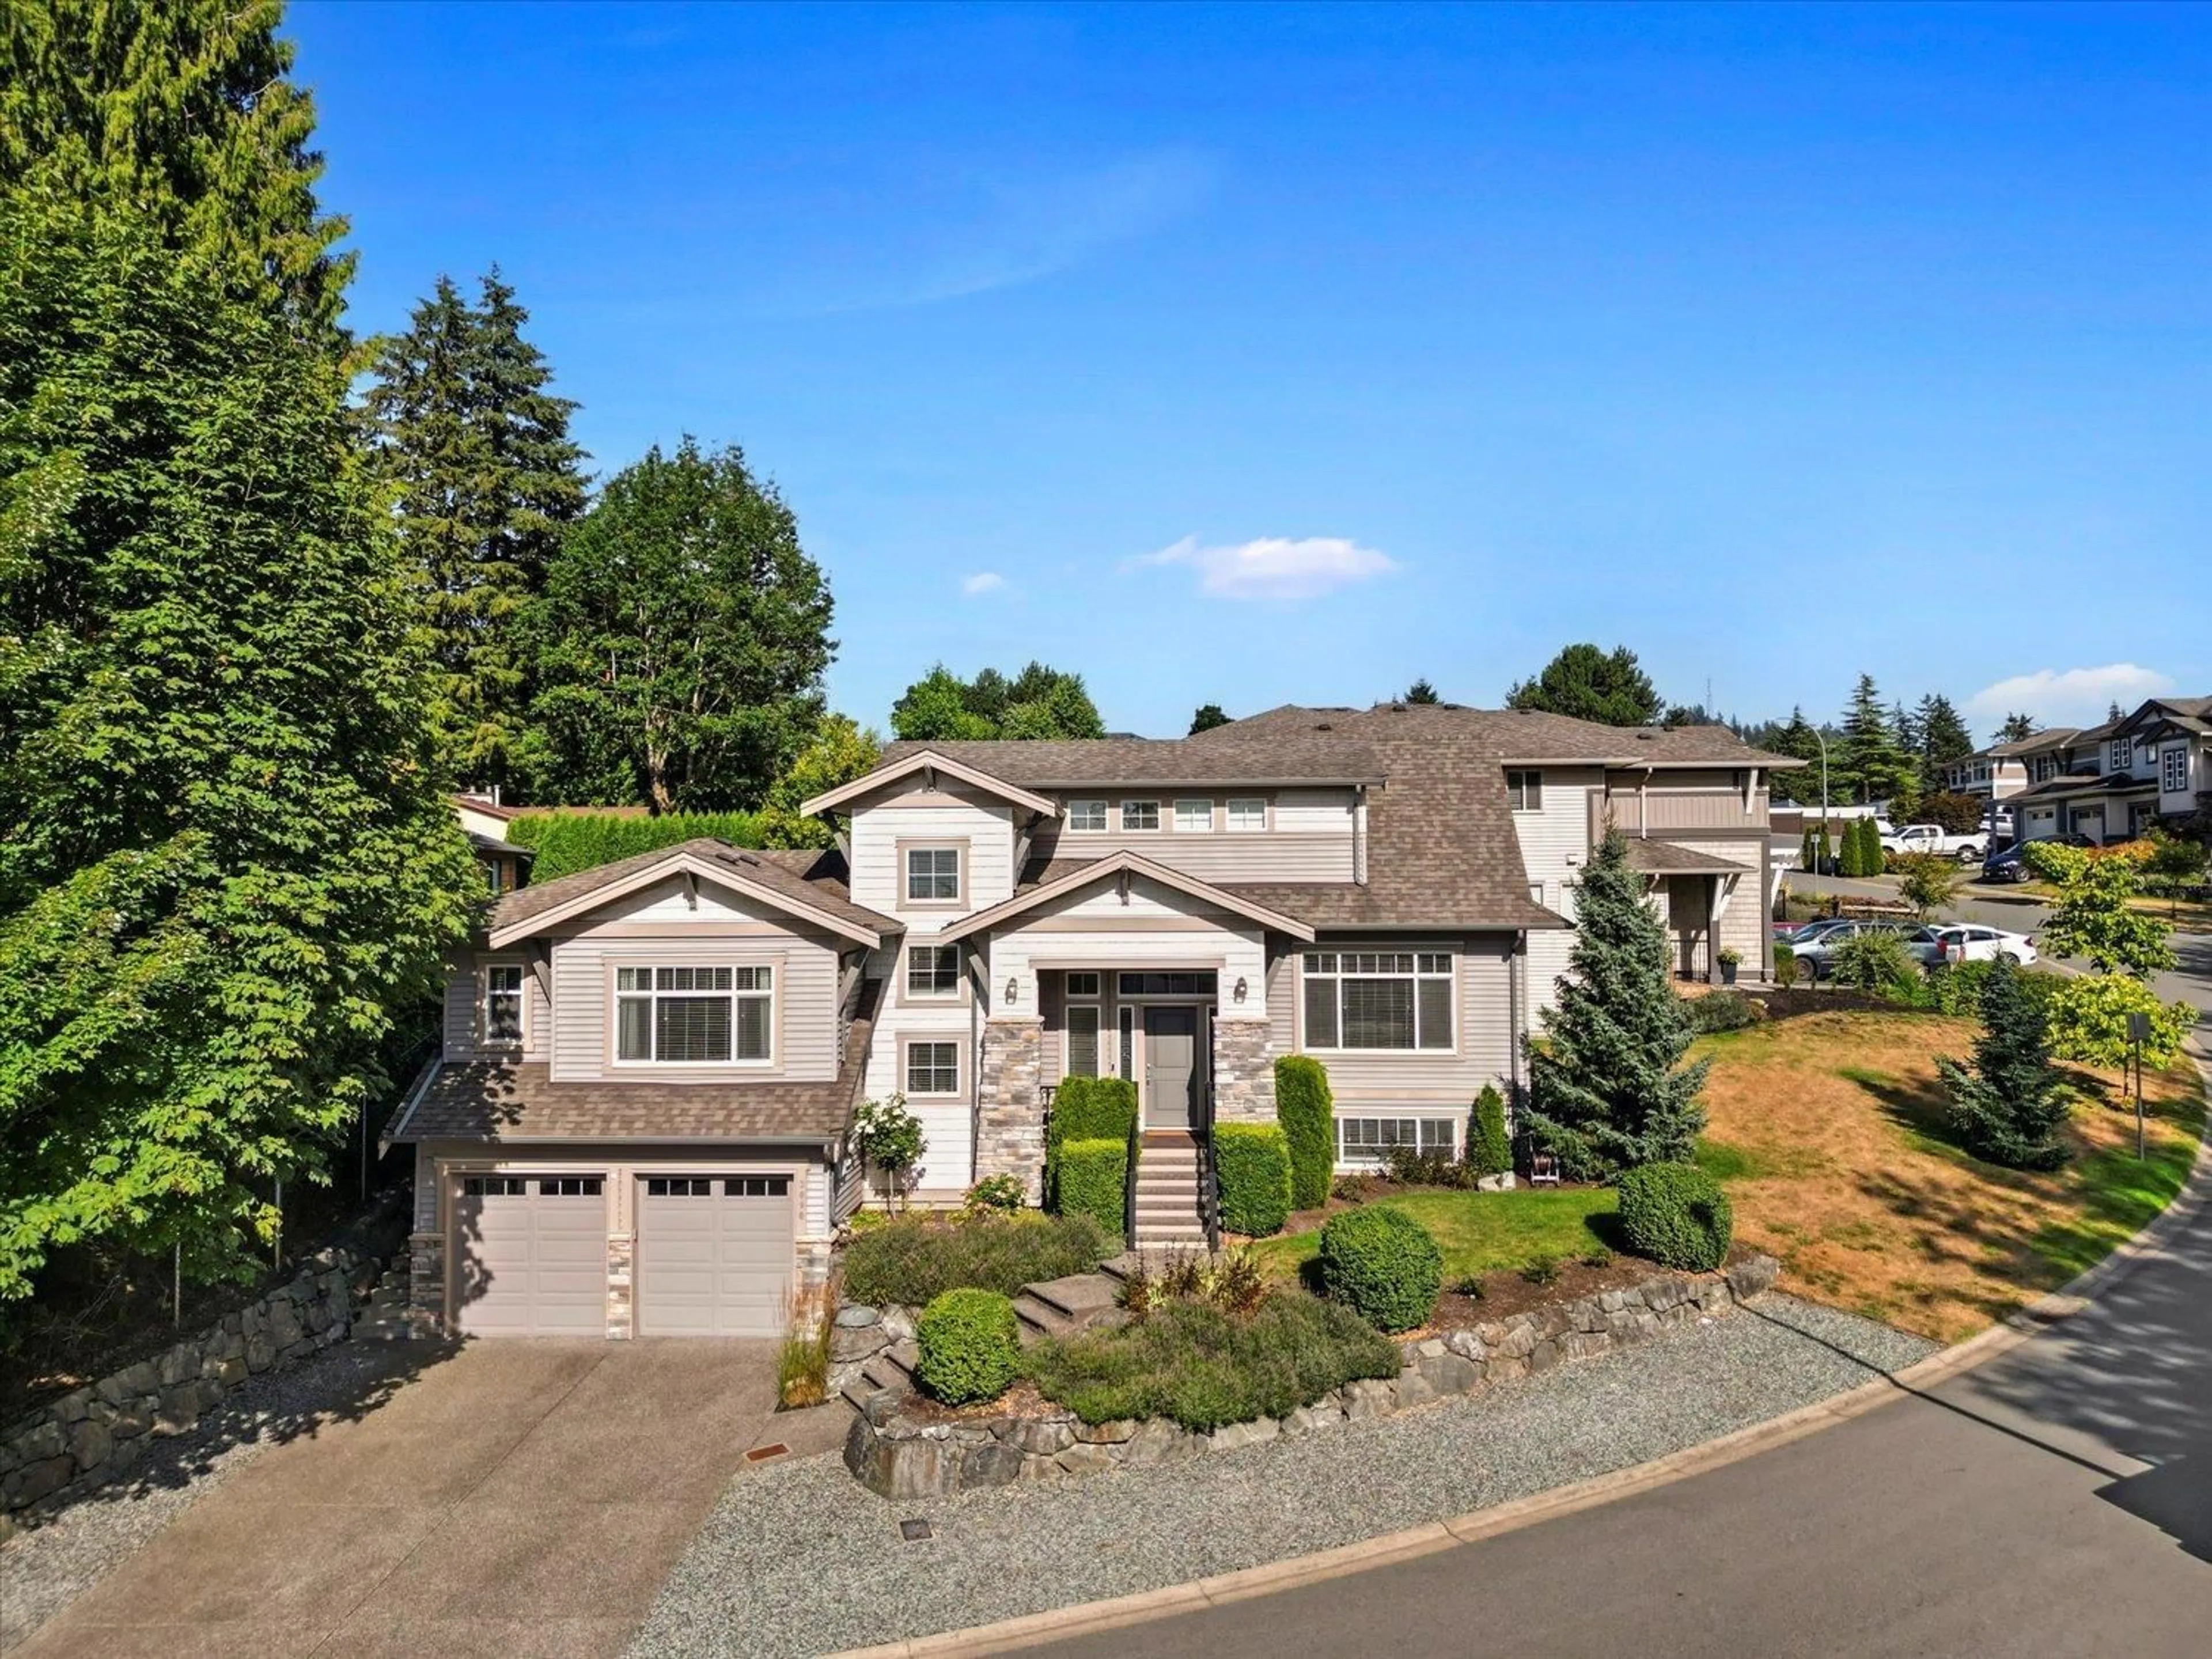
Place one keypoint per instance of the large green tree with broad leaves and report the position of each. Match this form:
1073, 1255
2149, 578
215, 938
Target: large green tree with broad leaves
226, 854
1587, 683
463, 425
1608, 1089
179, 113
1037, 703
681, 641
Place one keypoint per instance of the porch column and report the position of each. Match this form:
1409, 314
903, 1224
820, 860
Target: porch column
1009, 1106
1244, 1071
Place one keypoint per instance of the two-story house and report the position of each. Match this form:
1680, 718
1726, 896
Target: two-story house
2112, 782
638, 1121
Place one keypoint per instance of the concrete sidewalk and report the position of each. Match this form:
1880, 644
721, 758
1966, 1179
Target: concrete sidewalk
518, 1497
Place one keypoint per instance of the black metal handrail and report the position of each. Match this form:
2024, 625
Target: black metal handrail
1209, 1181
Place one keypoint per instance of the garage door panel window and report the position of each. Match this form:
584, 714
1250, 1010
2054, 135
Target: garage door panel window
1378, 1000
694, 1015
679, 1187
493, 1187
569, 1187
757, 1187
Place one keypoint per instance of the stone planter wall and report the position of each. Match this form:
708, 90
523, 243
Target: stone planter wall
103, 1430
895, 1452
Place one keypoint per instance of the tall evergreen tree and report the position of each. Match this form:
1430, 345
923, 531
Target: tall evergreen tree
2010, 1108
1587, 683
1869, 763
1607, 1088
226, 857
681, 643
489, 481
179, 111
1943, 739
2017, 728
1421, 691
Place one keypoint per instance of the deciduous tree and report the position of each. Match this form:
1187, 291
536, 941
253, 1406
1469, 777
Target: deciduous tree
1209, 715
839, 752
1037, 703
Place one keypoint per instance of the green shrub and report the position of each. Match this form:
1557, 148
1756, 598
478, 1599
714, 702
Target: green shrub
1873, 961
995, 1195
970, 1345
1204, 1367
915, 1259
1725, 1011
1408, 1166
1306, 1110
1382, 1264
566, 842
1676, 1215
1785, 965
1086, 1109
2089, 1016
1252, 1161
1489, 1148
1093, 1181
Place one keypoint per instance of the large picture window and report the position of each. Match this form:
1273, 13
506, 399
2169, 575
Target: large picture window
1378, 1000
692, 1016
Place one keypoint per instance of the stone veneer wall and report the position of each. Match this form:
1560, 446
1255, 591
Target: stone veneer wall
905, 1457
1243, 1073
103, 1430
1009, 1109
426, 1278
621, 1259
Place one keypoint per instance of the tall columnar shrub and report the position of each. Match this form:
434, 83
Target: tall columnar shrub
1676, 1215
1091, 1178
1488, 1147
2010, 1108
1808, 852
1608, 1088
1087, 1109
1252, 1161
1306, 1110
566, 842
1382, 1264
1827, 849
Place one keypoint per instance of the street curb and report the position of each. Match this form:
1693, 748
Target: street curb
1411, 1543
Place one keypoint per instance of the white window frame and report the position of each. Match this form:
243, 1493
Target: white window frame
2121, 754
2173, 769
1524, 789
1182, 828
1096, 1014
1086, 809
1151, 829
1245, 806
906, 1068
1427, 967
933, 850
749, 981
520, 992
1084, 984
1374, 1149
931, 994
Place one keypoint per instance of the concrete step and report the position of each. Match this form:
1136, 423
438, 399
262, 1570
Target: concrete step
1078, 1296
1038, 1322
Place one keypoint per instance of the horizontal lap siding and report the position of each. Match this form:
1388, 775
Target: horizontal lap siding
460, 1007
1309, 837
987, 826
1484, 1019
1745, 924
806, 1042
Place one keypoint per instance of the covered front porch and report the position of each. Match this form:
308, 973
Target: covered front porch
1691, 892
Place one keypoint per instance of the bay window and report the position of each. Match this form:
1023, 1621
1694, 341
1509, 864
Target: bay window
692, 1016
1383, 1000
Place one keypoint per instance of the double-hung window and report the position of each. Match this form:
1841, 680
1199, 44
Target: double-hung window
1141, 815
503, 1004
2175, 768
694, 1015
2120, 751
1087, 816
1194, 817
1378, 1000
1247, 815
932, 875
1524, 790
933, 970
932, 1068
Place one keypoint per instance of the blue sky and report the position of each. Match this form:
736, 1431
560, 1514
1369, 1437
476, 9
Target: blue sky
1249, 355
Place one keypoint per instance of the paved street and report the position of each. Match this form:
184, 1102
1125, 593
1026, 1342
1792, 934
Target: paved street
2057, 1501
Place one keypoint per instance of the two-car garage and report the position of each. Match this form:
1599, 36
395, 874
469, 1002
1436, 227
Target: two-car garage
531, 1253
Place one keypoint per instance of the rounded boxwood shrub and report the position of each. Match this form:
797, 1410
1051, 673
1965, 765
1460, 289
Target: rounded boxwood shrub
971, 1346
1676, 1215
1382, 1264
1252, 1161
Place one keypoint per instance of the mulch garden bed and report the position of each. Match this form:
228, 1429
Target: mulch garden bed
1508, 1292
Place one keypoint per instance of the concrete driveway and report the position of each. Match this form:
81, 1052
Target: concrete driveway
511, 1497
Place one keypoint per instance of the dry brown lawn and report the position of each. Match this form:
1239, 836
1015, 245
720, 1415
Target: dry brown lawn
1828, 1131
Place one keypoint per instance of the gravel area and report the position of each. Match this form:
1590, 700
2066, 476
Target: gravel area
44, 1568
800, 1558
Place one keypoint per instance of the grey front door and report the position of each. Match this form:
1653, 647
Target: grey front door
1170, 1068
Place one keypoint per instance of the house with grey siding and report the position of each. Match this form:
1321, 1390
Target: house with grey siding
639, 1120
2151, 768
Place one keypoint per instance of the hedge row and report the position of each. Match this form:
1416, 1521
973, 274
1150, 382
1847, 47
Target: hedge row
566, 842
1091, 1178
1252, 1163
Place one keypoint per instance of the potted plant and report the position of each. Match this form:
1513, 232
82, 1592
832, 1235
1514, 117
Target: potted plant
1729, 959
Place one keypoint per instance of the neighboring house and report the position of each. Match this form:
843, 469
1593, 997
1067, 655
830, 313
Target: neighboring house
638, 1121
2112, 782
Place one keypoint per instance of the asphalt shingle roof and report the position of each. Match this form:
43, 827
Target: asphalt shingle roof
1245, 757
815, 878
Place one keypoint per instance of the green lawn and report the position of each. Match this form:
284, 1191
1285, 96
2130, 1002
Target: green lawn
1480, 1233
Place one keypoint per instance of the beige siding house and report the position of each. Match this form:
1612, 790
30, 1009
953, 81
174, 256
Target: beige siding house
638, 1121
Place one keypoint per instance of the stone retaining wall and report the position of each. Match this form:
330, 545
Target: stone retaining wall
895, 1453
103, 1430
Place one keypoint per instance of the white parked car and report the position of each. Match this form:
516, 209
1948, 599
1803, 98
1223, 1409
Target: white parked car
1971, 942
1932, 838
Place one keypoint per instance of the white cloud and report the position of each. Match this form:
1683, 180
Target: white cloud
1274, 566
982, 582
2069, 696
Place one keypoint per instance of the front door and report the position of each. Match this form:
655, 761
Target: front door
1170, 1068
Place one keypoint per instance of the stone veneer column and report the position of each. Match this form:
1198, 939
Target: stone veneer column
1010, 1113
622, 1316
426, 1280
1243, 1073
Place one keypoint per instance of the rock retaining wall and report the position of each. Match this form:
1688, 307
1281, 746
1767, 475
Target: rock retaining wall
900, 1455
103, 1430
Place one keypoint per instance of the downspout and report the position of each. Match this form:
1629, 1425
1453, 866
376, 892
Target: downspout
976, 979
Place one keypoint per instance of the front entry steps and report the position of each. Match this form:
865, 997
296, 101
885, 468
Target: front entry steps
892, 1369
1167, 1211
1061, 1307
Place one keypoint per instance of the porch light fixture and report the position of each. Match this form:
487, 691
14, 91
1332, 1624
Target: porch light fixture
1013, 992
1237, 991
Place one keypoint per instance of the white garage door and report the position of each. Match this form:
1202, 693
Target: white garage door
529, 1255
714, 1255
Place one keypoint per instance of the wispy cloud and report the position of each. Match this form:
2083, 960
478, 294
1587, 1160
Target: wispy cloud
1274, 566
982, 582
999, 232
2069, 696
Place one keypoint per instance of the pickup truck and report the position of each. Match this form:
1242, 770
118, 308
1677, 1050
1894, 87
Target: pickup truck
1932, 838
